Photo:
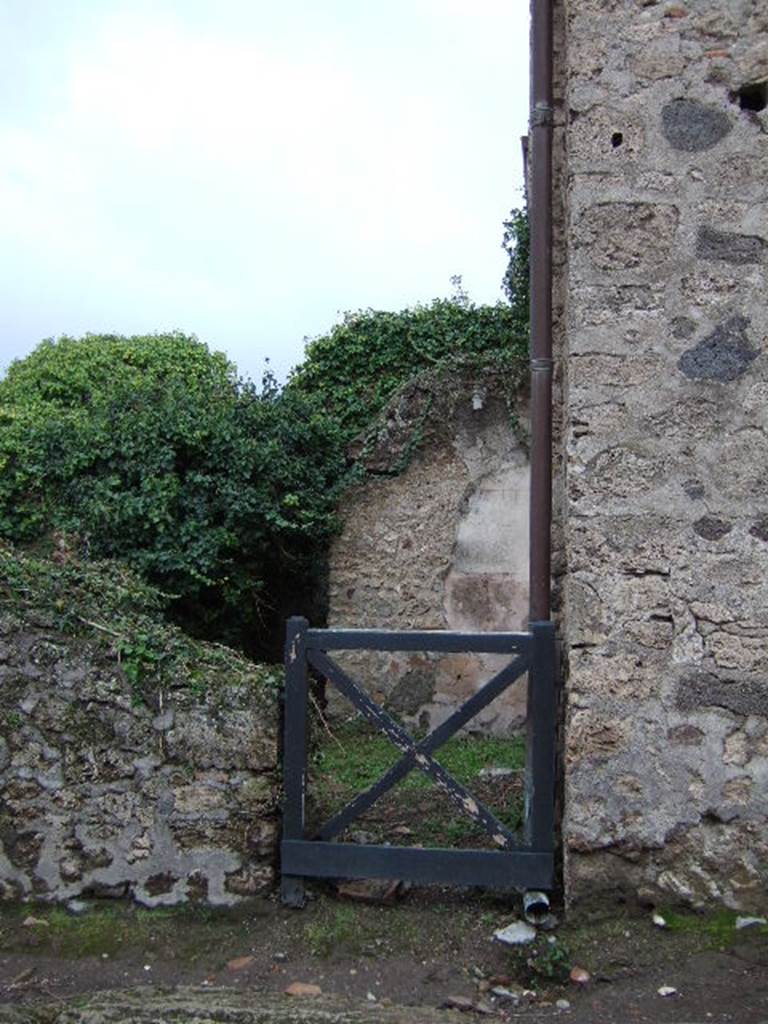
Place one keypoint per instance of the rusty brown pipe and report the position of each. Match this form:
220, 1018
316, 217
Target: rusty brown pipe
540, 214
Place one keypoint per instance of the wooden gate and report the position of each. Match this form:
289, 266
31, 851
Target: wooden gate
519, 863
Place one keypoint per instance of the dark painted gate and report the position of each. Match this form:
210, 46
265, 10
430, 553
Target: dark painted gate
520, 863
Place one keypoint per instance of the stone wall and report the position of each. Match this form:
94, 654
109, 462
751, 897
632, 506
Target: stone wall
104, 796
442, 544
664, 399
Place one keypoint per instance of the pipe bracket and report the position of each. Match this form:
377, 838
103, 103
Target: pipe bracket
542, 115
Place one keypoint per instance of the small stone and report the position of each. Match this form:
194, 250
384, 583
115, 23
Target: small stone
563, 1004
35, 922
362, 838
370, 997
515, 934
484, 1009
580, 976
240, 962
749, 922
501, 992
147, 967
461, 1003
402, 830
667, 990
280, 958
303, 989
77, 907
483, 985
497, 773
658, 920
371, 890
164, 721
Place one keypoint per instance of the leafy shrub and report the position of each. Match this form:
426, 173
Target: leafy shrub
149, 450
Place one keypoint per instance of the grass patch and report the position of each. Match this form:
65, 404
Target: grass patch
718, 927
417, 812
337, 931
355, 758
186, 933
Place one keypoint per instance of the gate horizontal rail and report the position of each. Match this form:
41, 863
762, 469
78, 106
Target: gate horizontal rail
519, 865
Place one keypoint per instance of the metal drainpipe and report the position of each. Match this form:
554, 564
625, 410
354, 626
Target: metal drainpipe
540, 214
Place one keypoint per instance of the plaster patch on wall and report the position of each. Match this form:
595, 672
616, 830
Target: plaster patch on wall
442, 545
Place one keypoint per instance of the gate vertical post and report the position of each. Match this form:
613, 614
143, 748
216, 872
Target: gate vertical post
540, 753
294, 749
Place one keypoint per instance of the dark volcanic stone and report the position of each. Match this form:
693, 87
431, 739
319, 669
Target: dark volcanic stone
729, 246
685, 735
712, 528
683, 327
693, 126
694, 489
745, 697
723, 355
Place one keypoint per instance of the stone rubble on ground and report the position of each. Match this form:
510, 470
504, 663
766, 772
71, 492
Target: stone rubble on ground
667, 990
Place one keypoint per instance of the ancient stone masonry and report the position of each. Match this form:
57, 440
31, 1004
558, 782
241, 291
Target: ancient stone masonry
442, 544
663, 176
102, 795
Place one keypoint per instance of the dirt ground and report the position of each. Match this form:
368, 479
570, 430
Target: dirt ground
427, 948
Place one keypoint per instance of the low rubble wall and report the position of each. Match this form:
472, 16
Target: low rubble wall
105, 796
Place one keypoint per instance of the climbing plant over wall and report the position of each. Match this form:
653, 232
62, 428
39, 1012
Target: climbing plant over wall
353, 370
515, 284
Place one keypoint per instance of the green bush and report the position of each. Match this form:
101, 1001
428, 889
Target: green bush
149, 450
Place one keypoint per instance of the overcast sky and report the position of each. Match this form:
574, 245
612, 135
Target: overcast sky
246, 170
